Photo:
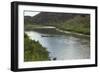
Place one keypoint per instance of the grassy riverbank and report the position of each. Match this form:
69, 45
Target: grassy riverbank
78, 24
34, 51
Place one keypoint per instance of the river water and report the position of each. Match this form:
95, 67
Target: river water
63, 46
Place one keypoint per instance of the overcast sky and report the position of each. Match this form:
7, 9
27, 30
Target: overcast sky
30, 13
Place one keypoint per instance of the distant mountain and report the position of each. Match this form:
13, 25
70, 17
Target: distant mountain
47, 18
65, 21
27, 19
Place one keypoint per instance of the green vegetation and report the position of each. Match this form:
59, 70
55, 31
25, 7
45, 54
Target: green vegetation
31, 27
78, 24
33, 50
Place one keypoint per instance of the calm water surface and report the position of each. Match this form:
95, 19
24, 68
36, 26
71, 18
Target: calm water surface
63, 47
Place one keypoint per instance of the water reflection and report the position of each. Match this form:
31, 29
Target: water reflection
63, 47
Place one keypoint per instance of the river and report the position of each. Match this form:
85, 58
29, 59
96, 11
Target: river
63, 46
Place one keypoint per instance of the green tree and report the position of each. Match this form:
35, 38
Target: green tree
33, 50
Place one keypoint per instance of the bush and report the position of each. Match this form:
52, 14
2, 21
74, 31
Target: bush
33, 50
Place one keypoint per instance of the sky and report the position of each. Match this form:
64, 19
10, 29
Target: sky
30, 13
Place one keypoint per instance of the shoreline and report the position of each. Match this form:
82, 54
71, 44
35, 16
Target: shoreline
71, 32
63, 31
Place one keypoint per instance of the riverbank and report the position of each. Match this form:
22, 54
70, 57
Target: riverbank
37, 28
66, 32
34, 51
62, 46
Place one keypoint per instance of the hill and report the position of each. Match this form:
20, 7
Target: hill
65, 21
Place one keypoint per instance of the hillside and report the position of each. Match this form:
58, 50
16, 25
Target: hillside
45, 18
78, 24
65, 21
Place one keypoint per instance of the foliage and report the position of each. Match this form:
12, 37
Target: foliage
33, 50
78, 24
